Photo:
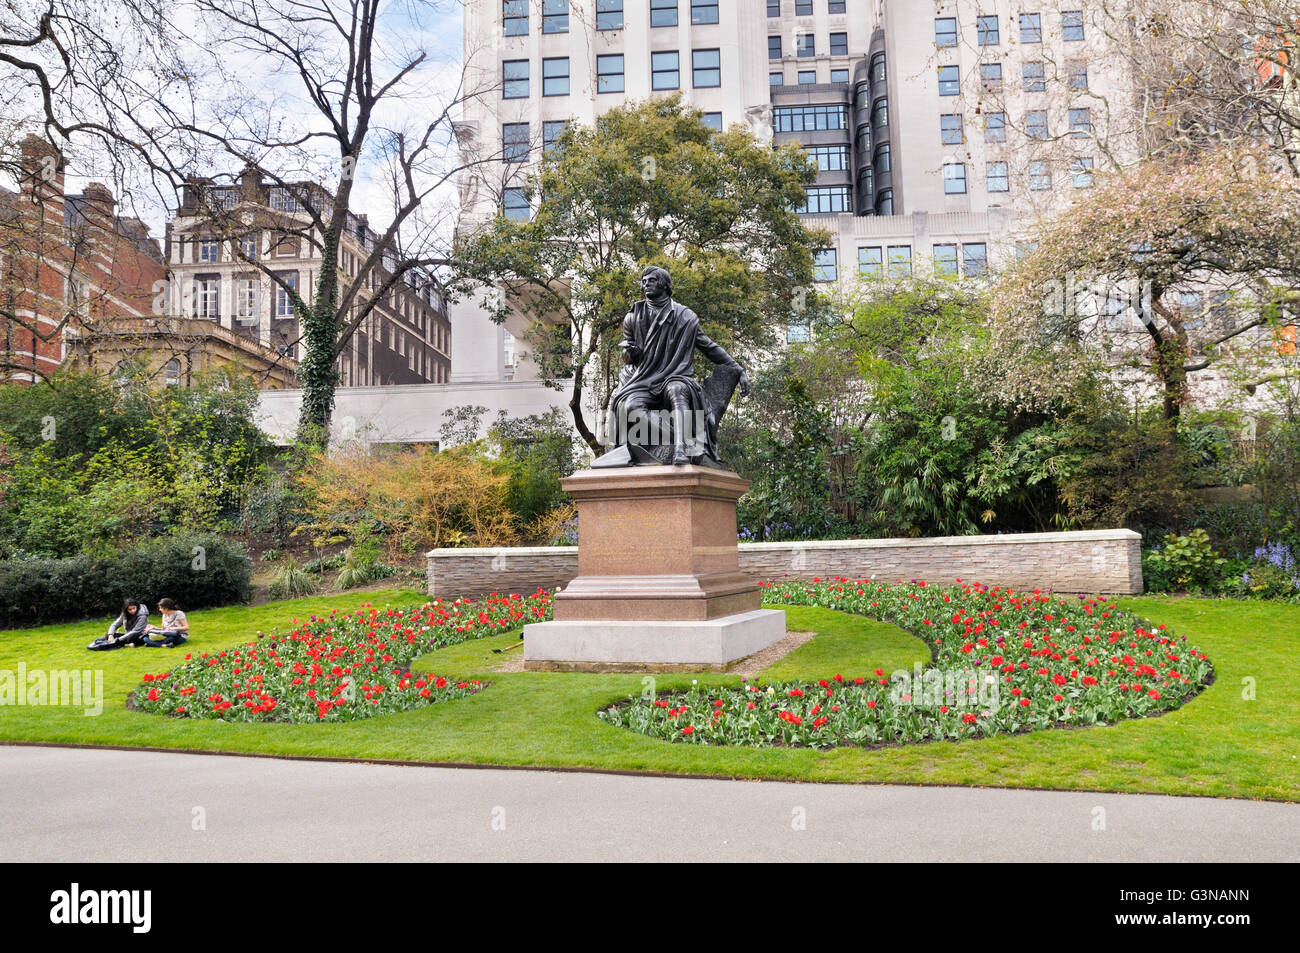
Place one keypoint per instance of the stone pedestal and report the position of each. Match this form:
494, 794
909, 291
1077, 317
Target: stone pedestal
659, 585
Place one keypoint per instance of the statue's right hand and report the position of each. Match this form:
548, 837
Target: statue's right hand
631, 353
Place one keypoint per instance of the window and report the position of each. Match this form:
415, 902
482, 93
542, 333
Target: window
282, 200
247, 293
664, 71
945, 261
713, 121
862, 97
1077, 70
997, 178
706, 69
810, 118
954, 178
207, 297
835, 6
551, 132
900, 261
826, 265
663, 13
839, 76
609, 14
515, 16
839, 44
1035, 77
880, 113
975, 259
807, 77
514, 79
1036, 124
609, 73
878, 68
555, 16
885, 202
864, 138
1040, 176
1031, 28
870, 263
704, 11
881, 162
950, 131
805, 44
1080, 123
866, 184
1072, 25
1082, 170
515, 205
824, 199
209, 250
986, 30
945, 32
172, 371
773, 8
803, 8
514, 142
995, 127
949, 81
829, 158
991, 77
555, 76
775, 79
250, 245
773, 47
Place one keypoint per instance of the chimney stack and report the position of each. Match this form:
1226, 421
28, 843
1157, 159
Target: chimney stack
42, 169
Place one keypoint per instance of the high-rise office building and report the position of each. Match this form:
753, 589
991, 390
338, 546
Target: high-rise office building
941, 130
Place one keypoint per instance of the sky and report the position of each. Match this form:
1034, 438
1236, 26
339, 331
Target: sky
407, 28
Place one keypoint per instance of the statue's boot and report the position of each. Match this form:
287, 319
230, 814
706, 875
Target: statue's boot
681, 411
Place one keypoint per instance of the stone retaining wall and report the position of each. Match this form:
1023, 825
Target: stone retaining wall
1103, 561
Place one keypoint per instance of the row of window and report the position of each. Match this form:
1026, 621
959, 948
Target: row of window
952, 129
208, 250
609, 14
808, 77
805, 44
248, 293
665, 73
517, 144
998, 179
970, 259
988, 31
804, 8
1033, 75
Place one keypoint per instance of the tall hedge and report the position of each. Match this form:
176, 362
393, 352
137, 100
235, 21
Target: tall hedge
197, 571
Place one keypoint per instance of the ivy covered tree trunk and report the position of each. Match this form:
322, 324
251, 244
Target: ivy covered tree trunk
318, 371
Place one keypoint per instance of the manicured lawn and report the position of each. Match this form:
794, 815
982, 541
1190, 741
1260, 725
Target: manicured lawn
1218, 744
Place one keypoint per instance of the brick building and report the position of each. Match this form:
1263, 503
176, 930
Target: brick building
67, 262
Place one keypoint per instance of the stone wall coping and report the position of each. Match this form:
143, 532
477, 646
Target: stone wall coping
918, 542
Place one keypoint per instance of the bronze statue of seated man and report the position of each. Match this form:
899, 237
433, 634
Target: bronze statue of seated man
660, 413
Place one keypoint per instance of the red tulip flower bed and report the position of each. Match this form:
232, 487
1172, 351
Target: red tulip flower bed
1004, 662
335, 668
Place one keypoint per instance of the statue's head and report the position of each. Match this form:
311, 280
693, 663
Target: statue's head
655, 282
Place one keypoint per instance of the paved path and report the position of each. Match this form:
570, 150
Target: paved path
65, 804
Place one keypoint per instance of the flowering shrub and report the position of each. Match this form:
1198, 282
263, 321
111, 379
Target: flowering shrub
1004, 662
339, 667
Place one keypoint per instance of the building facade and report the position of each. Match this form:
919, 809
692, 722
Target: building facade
68, 263
941, 130
234, 250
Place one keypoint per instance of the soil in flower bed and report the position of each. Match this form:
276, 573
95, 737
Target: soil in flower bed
337, 667
1004, 662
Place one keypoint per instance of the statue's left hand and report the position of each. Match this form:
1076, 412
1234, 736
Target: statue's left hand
744, 383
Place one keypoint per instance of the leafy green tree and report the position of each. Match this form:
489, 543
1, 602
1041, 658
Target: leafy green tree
649, 183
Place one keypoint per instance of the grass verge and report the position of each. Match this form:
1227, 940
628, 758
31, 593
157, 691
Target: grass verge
1237, 739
